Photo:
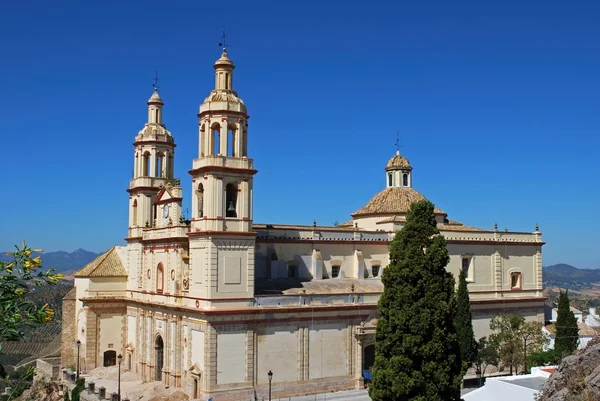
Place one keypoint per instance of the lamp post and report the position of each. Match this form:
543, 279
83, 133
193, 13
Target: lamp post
270, 378
78, 345
120, 358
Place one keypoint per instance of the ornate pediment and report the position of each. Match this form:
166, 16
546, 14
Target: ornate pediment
371, 320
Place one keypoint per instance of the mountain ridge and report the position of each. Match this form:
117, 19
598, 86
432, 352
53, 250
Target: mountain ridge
567, 276
62, 261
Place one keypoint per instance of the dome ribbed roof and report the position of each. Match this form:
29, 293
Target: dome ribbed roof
398, 162
392, 201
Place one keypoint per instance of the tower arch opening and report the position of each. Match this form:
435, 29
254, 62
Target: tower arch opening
202, 140
134, 217
200, 200
231, 141
215, 146
231, 200
146, 166
158, 357
160, 160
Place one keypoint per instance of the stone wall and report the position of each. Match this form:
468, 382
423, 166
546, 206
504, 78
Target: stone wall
69, 330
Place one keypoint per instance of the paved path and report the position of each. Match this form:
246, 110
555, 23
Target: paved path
351, 395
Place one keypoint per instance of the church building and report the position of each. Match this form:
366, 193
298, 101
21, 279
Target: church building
214, 303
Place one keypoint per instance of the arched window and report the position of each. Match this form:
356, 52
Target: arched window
231, 142
389, 180
231, 200
160, 278
146, 169
160, 158
200, 195
202, 140
405, 179
135, 213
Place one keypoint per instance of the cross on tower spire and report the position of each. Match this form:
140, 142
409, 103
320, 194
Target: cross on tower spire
398, 143
155, 84
223, 42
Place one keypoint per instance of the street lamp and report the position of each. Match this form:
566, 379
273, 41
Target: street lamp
270, 378
78, 345
120, 358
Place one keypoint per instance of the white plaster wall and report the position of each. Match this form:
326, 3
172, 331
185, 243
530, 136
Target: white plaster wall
277, 351
327, 351
231, 358
131, 330
197, 345
110, 333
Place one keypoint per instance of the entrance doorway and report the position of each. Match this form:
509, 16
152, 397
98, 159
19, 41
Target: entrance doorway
110, 358
369, 357
158, 348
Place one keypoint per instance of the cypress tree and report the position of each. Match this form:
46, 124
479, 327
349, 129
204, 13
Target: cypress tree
464, 323
417, 353
567, 332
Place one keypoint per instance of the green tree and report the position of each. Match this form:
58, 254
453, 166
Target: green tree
17, 278
486, 355
516, 339
533, 340
567, 332
464, 323
417, 353
506, 338
544, 358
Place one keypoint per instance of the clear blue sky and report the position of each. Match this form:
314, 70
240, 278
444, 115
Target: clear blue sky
498, 106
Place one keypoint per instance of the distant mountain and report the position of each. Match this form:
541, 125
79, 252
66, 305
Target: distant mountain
567, 276
63, 261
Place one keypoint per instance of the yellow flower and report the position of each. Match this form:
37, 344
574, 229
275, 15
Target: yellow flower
20, 291
27, 253
49, 315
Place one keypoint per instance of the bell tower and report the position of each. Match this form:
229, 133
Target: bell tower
154, 150
221, 236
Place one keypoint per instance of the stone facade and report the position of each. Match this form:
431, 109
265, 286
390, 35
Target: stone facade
213, 303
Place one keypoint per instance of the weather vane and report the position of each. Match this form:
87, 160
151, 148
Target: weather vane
155, 84
397, 141
223, 42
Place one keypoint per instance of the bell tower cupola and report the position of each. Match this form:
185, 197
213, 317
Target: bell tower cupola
222, 173
398, 172
155, 105
153, 160
222, 242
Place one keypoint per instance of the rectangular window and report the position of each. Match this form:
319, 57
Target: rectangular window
375, 270
335, 271
292, 271
515, 281
467, 265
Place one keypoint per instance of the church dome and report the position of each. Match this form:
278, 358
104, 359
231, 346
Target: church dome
398, 162
392, 201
